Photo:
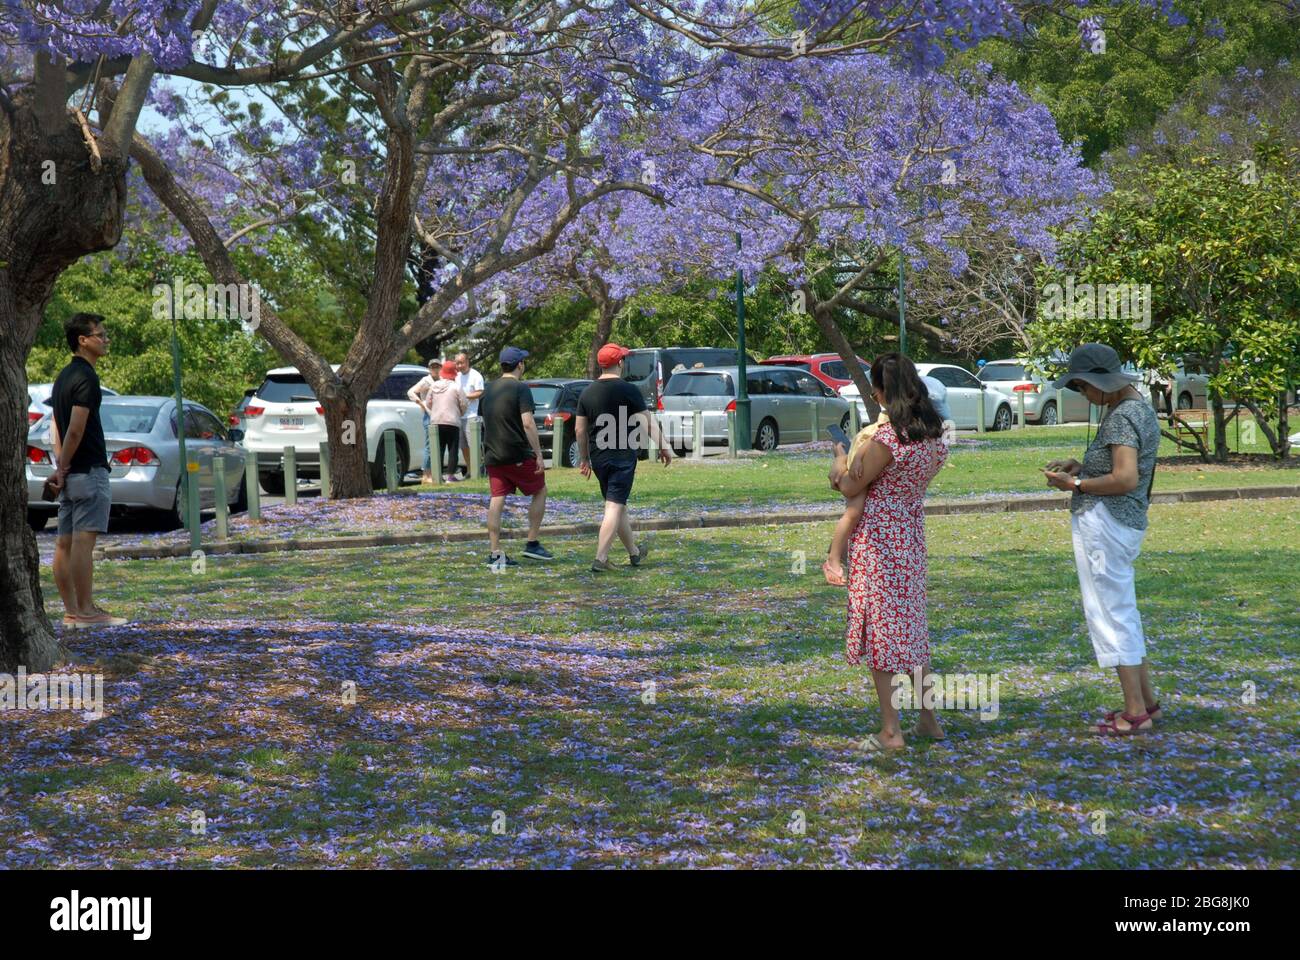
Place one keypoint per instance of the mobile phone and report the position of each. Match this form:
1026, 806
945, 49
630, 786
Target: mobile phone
839, 436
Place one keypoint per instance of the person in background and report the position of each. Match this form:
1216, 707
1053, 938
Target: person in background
82, 472
615, 412
512, 453
470, 382
1108, 520
417, 394
444, 405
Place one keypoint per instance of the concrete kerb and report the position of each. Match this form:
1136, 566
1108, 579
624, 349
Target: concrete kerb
691, 522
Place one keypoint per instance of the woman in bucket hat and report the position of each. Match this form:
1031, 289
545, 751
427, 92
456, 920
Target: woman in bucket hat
1108, 520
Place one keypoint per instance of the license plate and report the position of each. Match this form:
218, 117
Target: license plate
291, 423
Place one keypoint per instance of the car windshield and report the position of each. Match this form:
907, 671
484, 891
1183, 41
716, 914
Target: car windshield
544, 394
1003, 371
285, 388
128, 417
698, 385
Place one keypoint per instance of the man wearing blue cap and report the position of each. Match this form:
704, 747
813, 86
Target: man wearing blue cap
512, 453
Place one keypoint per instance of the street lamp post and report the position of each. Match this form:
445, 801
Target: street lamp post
902, 308
189, 491
742, 390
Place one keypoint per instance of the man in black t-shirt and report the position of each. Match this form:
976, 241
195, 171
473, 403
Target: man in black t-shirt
612, 425
81, 474
512, 454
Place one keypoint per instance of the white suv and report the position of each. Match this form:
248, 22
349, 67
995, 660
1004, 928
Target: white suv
283, 412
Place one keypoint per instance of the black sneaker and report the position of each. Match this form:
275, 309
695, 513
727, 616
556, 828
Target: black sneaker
642, 551
535, 551
501, 560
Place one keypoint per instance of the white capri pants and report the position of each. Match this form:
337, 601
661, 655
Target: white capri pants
1104, 551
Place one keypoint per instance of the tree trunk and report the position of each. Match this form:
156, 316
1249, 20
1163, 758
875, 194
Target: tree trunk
345, 424
604, 326
835, 335
1220, 429
54, 209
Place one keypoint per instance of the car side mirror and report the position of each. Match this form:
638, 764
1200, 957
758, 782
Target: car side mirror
236, 435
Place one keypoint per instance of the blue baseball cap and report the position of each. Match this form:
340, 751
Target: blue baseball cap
512, 355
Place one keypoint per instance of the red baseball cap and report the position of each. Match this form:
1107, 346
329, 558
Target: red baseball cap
610, 354
449, 370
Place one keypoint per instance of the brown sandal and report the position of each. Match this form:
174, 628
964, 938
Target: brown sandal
1111, 729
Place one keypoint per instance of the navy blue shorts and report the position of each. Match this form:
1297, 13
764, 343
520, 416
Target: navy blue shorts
615, 478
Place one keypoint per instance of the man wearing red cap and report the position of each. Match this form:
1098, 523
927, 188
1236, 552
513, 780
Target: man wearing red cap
614, 412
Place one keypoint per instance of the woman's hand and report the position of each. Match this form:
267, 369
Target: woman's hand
1060, 480
838, 468
1065, 466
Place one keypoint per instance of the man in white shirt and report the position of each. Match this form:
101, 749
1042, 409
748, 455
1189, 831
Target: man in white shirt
471, 384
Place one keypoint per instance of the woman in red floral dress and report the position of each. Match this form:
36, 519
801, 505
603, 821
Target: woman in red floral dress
887, 623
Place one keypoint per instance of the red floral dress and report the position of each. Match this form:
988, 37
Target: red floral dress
887, 560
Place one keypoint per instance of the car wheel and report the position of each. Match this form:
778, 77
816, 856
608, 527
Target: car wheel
1002, 419
570, 456
767, 438
844, 423
272, 483
1184, 401
37, 519
1049, 415
241, 498
378, 477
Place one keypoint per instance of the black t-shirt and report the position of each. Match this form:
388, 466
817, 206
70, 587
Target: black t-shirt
502, 406
609, 406
78, 386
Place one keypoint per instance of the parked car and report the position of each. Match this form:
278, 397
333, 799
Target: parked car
236, 418
1044, 404
650, 367
283, 412
557, 400
964, 390
783, 402
1190, 389
829, 368
145, 460
38, 400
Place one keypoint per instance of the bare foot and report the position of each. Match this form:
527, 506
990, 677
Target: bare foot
833, 573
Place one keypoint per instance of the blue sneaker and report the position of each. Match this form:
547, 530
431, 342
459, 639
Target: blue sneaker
534, 550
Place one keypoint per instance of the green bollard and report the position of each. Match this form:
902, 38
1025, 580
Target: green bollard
557, 442
979, 417
253, 492
324, 470
475, 426
731, 434
390, 461
219, 494
194, 515
290, 476
812, 416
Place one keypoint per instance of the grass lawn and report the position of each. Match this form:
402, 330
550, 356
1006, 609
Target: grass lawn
697, 711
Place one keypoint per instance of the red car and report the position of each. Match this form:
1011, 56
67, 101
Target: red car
826, 367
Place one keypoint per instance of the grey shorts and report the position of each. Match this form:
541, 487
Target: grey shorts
85, 502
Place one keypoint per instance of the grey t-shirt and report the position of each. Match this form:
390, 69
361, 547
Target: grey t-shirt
1130, 423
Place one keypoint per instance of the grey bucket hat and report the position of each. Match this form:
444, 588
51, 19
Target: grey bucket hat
1098, 365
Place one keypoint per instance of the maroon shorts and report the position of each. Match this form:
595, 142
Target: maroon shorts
503, 479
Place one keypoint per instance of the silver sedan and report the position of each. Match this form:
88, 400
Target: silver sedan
145, 459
